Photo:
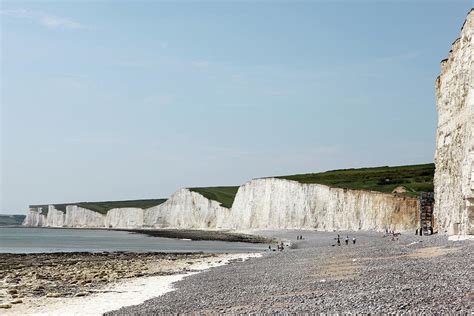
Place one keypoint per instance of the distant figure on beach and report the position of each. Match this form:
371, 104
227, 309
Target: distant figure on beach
347, 240
416, 232
269, 247
338, 241
354, 240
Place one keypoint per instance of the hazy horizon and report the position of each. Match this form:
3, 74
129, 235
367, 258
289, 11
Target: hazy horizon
137, 100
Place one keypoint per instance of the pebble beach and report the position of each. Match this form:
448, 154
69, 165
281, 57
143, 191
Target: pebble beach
409, 275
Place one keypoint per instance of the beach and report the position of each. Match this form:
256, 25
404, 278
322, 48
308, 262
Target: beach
94, 283
377, 274
408, 275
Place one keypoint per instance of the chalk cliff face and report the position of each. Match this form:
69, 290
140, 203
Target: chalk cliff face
81, 217
277, 203
124, 218
55, 218
454, 180
260, 204
187, 209
35, 218
73, 217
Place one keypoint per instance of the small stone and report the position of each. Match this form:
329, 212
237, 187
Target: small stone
18, 301
53, 294
5, 306
81, 294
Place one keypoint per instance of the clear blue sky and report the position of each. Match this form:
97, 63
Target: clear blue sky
131, 100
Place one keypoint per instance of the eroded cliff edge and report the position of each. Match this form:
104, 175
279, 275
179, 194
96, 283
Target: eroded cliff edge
454, 160
259, 204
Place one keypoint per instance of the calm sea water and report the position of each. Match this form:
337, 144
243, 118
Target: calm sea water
34, 240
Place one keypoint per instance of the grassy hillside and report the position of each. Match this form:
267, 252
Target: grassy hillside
415, 178
223, 195
104, 207
11, 220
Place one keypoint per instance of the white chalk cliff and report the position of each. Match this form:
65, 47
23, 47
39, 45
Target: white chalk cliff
454, 160
260, 204
277, 203
187, 209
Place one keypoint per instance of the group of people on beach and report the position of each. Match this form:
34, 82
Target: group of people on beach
346, 240
392, 234
280, 247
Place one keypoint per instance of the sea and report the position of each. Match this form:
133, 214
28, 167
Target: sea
48, 240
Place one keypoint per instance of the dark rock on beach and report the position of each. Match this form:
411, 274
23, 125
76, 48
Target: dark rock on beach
56, 275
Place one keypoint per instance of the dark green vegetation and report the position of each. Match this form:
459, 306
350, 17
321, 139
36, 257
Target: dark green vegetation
104, 207
11, 220
223, 195
197, 234
415, 178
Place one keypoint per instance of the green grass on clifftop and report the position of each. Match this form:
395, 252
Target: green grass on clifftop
415, 178
104, 207
223, 195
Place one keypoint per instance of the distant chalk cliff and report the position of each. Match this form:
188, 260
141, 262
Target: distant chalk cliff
259, 204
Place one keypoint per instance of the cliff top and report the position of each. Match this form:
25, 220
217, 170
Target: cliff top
224, 195
445, 63
415, 178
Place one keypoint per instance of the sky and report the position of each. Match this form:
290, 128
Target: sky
116, 100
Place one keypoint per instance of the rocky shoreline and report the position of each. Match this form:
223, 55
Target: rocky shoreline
199, 234
60, 275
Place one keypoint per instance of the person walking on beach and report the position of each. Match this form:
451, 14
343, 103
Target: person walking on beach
353, 240
347, 240
338, 241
